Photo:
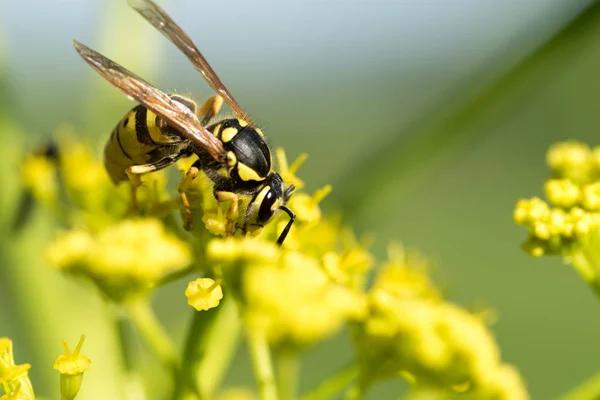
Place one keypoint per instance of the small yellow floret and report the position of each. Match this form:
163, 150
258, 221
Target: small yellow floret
572, 160
215, 221
591, 197
72, 363
563, 192
531, 210
71, 367
69, 249
204, 294
39, 175
248, 249
307, 207
288, 174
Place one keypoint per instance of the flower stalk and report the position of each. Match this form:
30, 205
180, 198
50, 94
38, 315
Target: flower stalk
260, 355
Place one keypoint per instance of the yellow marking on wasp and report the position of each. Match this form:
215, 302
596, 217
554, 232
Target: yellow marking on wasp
259, 132
261, 195
231, 158
216, 130
228, 134
242, 123
247, 173
154, 131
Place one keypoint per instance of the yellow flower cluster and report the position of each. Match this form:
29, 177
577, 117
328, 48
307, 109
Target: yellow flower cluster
573, 211
291, 295
552, 230
409, 331
14, 378
285, 294
135, 254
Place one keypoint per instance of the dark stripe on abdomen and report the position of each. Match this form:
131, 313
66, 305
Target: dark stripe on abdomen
141, 127
118, 134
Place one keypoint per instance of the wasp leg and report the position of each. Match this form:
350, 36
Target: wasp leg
134, 172
210, 108
232, 212
191, 174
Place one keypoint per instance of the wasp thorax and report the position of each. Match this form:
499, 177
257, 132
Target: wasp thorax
248, 155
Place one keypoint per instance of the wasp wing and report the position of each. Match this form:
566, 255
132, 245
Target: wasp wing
175, 114
169, 28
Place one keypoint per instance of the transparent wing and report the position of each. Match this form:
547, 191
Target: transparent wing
161, 21
175, 114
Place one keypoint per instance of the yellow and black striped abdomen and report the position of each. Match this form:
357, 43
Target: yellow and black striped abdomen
137, 139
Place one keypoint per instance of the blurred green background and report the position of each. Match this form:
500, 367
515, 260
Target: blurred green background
429, 118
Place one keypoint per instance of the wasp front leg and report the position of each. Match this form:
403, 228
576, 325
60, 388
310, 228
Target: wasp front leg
232, 212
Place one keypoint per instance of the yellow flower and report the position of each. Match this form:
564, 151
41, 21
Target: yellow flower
69, 249
133, 254
294, 301
410, 331
307, 207
531, 210
204, 294
71, 367
14, 378
285, 294
229, 250
288, 173
405, 276
563, 192
39, 175
215, 222
591, 197
572, 160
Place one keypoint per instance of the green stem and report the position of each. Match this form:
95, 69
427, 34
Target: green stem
587, 268
143, 318
334, 384
209, 348
287, 374
132, 380
590, 389
261, 363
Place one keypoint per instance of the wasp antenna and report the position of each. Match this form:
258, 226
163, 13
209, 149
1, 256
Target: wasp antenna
287, 228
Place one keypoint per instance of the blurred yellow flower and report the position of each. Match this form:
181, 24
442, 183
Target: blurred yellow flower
204, 294
563, 192
572, 160
410, 330
133, 254
39, 176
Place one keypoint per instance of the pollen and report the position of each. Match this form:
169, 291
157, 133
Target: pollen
204, 294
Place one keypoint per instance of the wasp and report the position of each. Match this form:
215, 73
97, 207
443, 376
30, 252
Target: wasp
164, 128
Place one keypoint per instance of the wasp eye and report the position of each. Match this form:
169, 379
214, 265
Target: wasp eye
265, 212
